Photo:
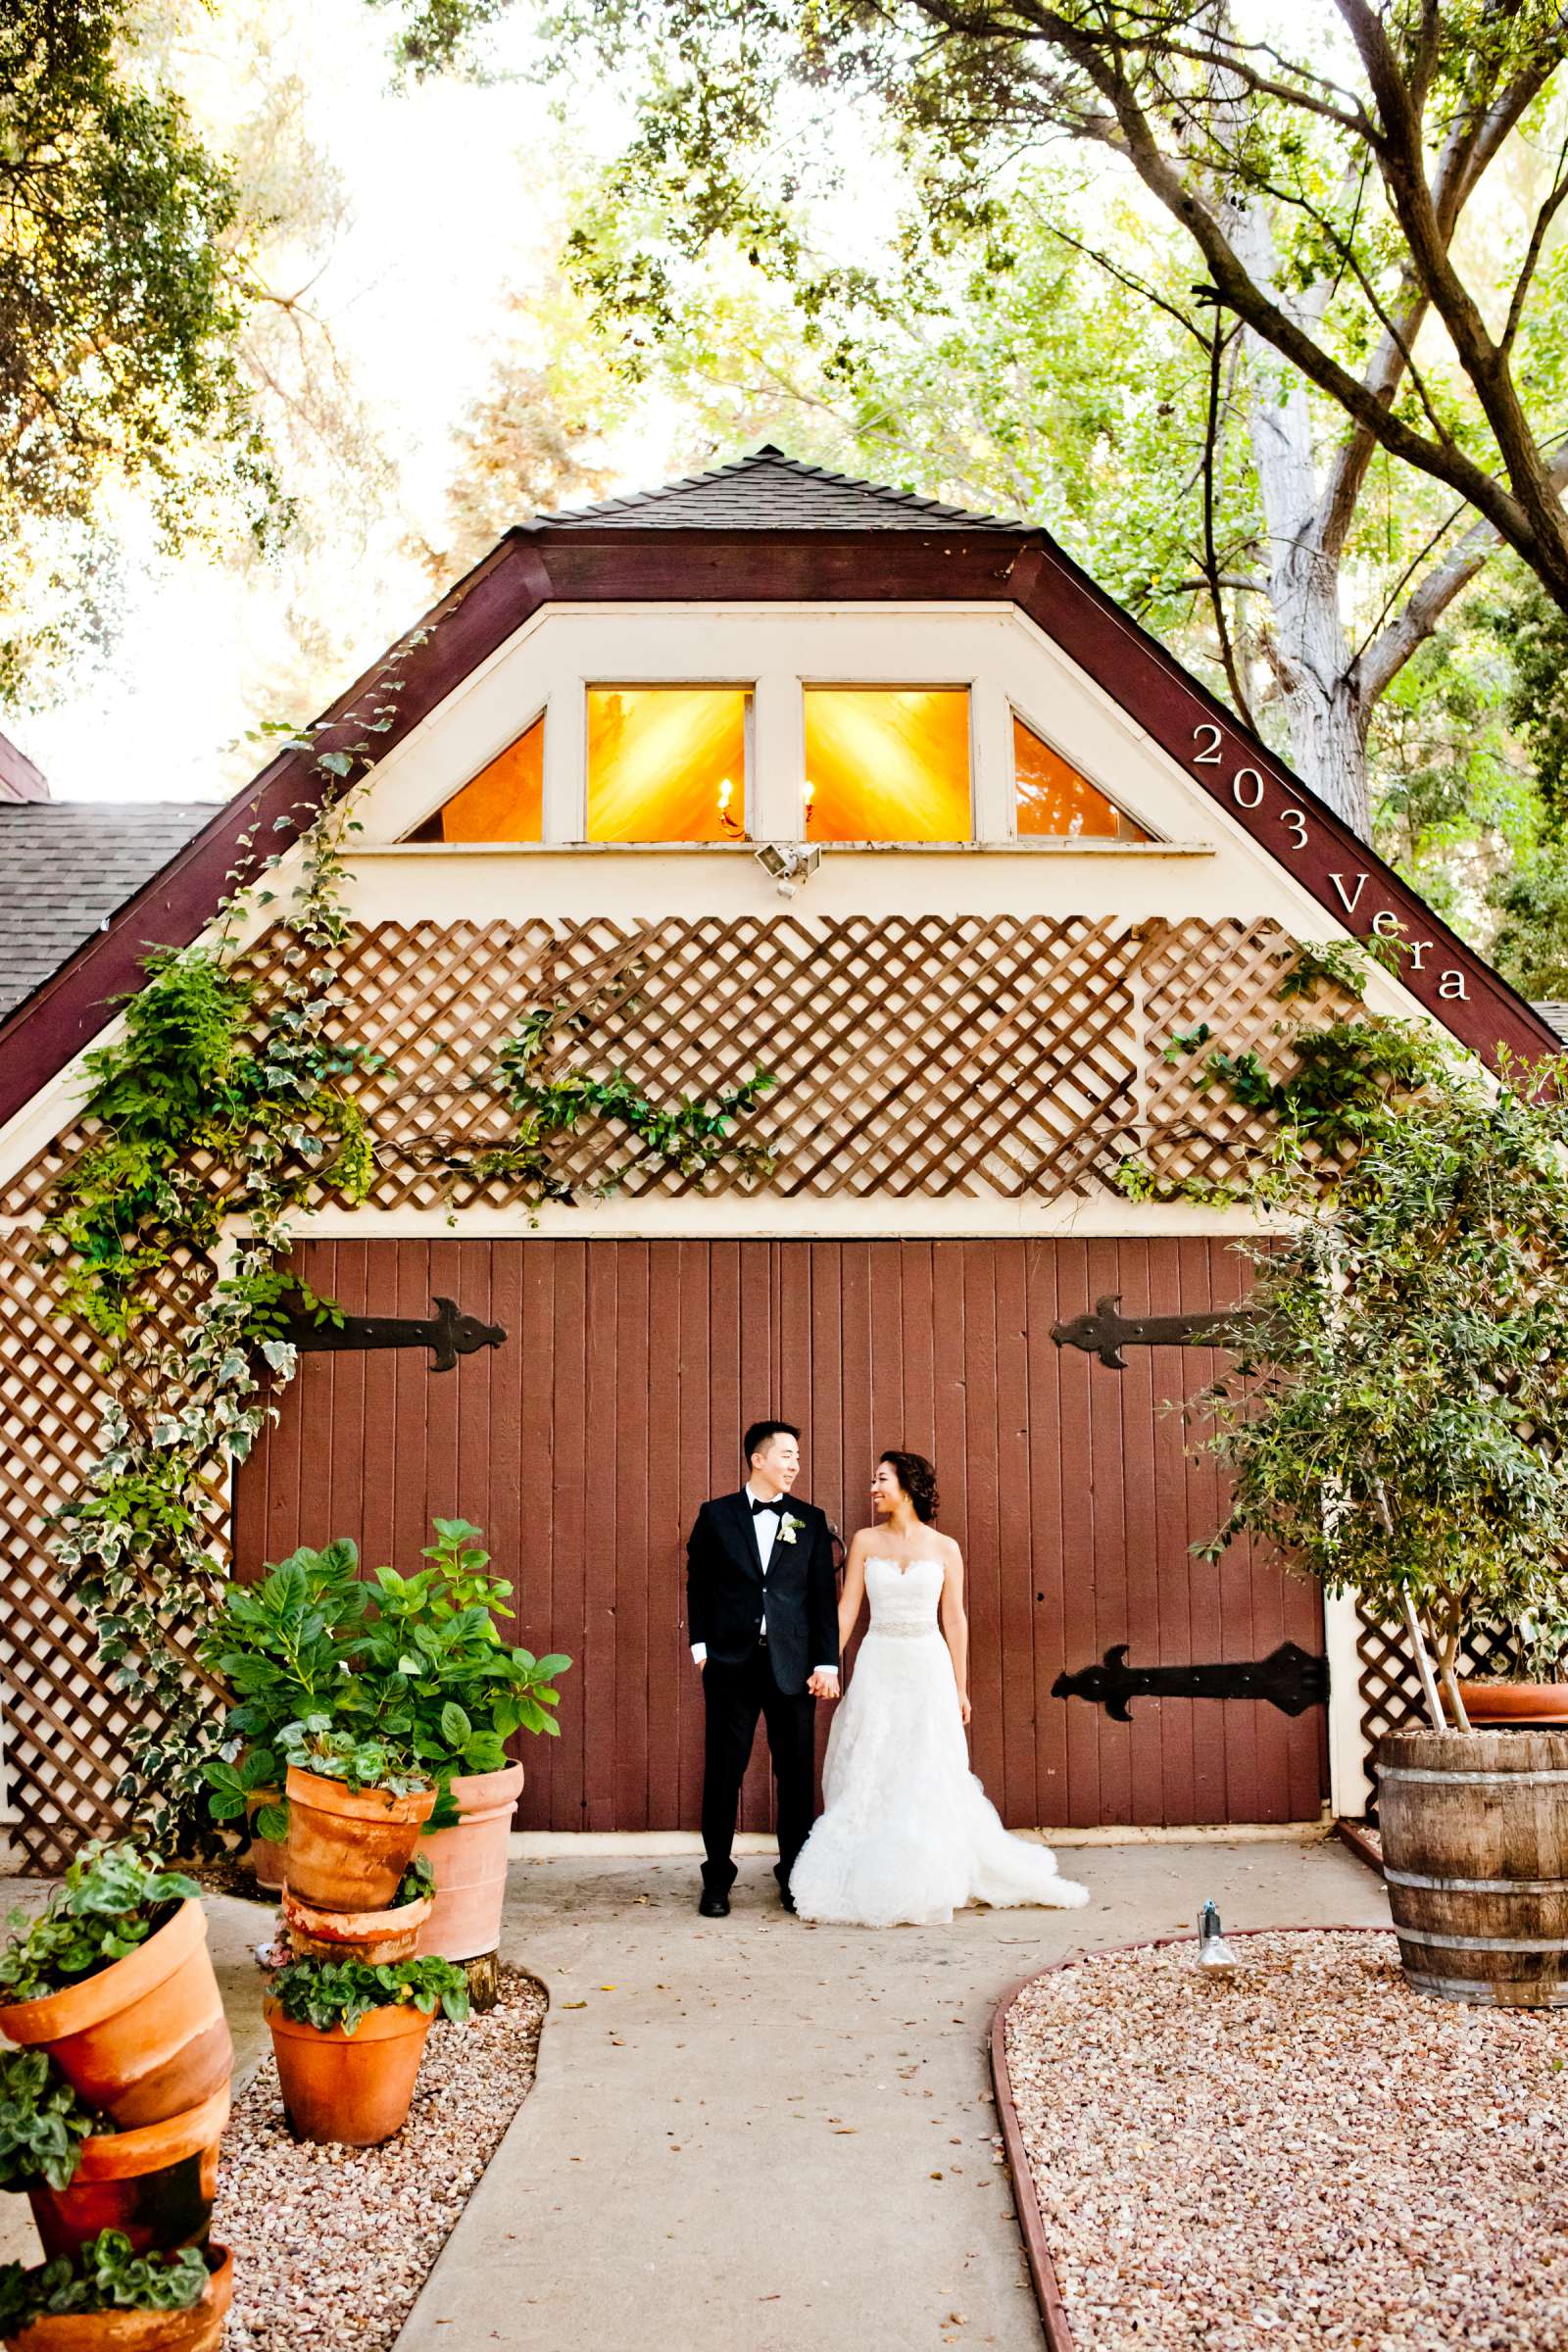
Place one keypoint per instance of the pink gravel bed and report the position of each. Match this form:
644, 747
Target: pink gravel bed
333, 2245
1307, 2155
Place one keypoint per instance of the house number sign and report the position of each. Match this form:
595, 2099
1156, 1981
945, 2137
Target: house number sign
1248, 789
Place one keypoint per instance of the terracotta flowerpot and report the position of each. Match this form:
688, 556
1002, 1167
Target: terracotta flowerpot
347, 1852
377, 1937
1522, 1703
470, 1862
199, 2330
350, 2089
156, 2185
145, 2037
266, 1856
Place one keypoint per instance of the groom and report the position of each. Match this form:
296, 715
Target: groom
762, 1611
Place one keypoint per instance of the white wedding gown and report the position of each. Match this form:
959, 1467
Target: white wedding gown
908, 1835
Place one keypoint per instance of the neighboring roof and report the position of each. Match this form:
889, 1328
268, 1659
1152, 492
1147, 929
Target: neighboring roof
19, 780
770, 492
67, 867
657, 551
1555, 1012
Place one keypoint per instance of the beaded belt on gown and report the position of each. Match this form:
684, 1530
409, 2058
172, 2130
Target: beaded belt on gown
901, 1631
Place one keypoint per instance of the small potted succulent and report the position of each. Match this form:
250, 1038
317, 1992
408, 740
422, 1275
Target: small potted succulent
379, 1936
115, 1981
81, 2177
349, 2037
110, 2298
356, 1805
433, 1669
282, 1645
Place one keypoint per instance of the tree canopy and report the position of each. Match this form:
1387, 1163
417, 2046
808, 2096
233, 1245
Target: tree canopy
121, 302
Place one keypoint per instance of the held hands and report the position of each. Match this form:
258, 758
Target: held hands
823, 1683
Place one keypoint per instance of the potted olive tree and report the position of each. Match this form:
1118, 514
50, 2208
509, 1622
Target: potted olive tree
1397, 1425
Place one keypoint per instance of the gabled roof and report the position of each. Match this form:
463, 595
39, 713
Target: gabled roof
770, 492
67, 867
735, 544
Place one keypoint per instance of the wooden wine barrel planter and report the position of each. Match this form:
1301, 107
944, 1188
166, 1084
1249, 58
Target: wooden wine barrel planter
1475, 1853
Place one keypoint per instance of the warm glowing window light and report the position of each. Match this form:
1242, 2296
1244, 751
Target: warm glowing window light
505, 802
886, 763
667, 762
1053, 798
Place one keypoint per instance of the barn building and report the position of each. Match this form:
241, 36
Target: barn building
766, 772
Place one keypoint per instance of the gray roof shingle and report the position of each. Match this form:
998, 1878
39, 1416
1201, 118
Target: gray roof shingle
1555, 1012
770, 492
66, 866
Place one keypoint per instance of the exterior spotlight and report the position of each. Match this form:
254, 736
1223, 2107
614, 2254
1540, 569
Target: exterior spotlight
790, 862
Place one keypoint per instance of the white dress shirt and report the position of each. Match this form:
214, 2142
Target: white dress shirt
766, 1527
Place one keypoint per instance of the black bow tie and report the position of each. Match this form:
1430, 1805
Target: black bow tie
767, 1506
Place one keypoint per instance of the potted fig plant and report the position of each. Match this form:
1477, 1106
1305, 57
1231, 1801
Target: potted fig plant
349, 2037
1398, 1428
114, 1979
433, 1669
110, 2298
154, 2184
356, 1805
282, 1645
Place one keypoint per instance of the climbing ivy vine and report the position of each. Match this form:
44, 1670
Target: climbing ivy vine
215, 1115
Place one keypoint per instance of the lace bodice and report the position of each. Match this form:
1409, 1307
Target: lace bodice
904, 1600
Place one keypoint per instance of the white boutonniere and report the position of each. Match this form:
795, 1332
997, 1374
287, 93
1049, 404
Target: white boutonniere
789, 1529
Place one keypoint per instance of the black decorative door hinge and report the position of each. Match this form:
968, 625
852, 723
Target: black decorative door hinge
1287, 1678
1105, 1333
448, 1332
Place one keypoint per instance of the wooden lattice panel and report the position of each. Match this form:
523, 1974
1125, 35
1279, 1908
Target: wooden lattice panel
1226, 976
65, 1721
1390, 1688
910, 1055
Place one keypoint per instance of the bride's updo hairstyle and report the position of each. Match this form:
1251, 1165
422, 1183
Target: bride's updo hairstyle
918, 1478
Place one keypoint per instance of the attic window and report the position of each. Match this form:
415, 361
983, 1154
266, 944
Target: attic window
1055, 799
668, 762
504, 802
887, 763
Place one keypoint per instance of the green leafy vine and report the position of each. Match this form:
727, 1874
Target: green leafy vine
690, 1135
1345, 1073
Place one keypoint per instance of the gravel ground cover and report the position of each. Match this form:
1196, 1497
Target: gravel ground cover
1307, 2155
331, 2245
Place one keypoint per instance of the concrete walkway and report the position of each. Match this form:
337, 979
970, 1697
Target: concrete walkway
755, 2135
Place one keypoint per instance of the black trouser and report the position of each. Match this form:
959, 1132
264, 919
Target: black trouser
735, 1696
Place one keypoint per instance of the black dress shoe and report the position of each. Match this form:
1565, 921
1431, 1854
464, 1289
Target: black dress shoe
712, 1906
785, 1897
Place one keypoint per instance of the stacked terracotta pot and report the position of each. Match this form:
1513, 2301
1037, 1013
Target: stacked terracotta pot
145, 2043
346, 1855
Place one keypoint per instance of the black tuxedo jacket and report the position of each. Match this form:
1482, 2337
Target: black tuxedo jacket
724, 1590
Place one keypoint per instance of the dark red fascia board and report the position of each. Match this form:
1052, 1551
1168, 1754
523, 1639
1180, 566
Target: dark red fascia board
620, 563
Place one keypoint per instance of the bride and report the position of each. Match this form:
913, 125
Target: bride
908, 1835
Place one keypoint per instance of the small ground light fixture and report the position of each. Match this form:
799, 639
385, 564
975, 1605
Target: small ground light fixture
1215, 1955
790, 862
